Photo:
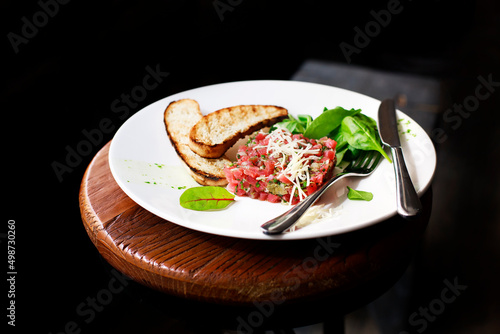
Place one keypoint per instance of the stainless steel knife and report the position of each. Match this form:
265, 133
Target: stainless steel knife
408, 203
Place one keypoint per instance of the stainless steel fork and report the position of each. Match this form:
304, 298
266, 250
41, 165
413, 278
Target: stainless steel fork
364, 165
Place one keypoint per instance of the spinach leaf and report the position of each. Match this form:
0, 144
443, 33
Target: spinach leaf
294, 125
361, 133
359, 195
342, 145
344, 151
340, 155
287, 123
305, 120
328, 121
206, 198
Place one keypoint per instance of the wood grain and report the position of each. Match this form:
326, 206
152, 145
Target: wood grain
211, 268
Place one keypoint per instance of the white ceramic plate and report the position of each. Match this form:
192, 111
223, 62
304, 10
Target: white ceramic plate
147, 168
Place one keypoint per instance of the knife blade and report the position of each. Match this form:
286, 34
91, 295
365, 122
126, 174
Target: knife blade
408, 203
388, 126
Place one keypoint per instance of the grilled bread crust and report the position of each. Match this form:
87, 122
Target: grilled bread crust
216, 132
179, 117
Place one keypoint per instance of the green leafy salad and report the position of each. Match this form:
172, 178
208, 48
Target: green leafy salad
353, 131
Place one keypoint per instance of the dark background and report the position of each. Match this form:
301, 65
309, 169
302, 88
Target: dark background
63, 80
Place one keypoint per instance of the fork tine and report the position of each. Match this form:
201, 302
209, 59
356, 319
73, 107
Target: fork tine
377, 160
368, 159
374, 160
360, 160
365, 163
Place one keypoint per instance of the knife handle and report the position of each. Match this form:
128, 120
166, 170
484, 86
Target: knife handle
408, 203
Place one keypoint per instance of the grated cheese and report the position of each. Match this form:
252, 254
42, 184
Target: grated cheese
283, 147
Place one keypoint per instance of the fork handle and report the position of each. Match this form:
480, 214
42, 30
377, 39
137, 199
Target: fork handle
288, 219
408, 203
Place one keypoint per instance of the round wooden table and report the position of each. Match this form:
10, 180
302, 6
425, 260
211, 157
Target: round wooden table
343, 271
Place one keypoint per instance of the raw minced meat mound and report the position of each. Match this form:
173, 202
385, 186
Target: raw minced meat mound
280, 165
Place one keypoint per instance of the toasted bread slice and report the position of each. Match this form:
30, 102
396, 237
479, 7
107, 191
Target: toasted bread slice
179, 117
216, 132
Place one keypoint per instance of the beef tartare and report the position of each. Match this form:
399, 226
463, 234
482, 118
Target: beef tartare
280, 166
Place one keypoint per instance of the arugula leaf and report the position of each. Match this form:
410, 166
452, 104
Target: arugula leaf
359, 195
328, 121
206, 198
361, 133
